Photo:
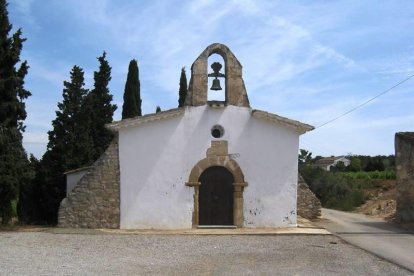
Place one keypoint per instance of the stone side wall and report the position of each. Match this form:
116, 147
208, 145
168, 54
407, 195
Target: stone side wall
309, 206
94, 202
404, 161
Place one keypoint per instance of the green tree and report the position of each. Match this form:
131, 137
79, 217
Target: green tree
68, 127
12, 92
158, 109
355, 165
132, 97
183, 88
13, 159
339, 167
101, 111
14, 170
305, 157
374, 164
27, 207
64, 150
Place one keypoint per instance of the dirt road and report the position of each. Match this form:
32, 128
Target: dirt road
372, 234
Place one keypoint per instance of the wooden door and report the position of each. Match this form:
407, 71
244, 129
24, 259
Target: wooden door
216, 197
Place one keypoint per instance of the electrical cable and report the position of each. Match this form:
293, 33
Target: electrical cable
364, 103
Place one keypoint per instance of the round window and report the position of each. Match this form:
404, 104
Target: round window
217, 131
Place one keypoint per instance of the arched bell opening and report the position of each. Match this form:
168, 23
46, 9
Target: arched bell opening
216, 89
233, 90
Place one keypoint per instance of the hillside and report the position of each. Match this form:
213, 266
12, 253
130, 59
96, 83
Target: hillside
381, 202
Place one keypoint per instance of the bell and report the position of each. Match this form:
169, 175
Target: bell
215, 85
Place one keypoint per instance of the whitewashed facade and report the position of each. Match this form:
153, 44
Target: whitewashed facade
156, 159
208, 163
157, 154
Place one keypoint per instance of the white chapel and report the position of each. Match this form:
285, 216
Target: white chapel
207, 164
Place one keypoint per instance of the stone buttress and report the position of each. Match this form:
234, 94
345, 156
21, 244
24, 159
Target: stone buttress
94, 202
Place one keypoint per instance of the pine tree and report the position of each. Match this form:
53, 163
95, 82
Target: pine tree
183, 88
158, 109
132, 97
101, 111
13, 159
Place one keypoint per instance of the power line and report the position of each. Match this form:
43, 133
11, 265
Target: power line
364, 103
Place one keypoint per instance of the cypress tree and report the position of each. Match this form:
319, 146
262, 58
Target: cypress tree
13, 159
183, 88
101, 111
132, 96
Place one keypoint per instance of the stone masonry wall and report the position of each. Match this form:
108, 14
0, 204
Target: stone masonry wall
234, 85
404, 161
309, 206
95, 200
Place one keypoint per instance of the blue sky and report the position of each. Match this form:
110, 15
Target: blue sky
305, 60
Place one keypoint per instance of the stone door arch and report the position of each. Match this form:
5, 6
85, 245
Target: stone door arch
217, 156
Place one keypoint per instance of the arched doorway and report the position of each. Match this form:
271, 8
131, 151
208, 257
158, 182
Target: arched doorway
216, 196
217, 156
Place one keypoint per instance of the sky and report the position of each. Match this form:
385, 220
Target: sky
306, 60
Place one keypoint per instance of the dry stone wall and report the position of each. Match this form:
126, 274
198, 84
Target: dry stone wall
309, 206
404, 161
95, 200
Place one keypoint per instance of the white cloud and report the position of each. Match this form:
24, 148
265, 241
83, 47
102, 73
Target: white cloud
197, 6
24, 10
54, 73
35, 143
23, 6
401, 64
309, 61
36, 138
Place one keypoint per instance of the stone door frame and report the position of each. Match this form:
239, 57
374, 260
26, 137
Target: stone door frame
218, 155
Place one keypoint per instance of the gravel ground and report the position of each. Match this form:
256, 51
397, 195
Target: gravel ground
40, 253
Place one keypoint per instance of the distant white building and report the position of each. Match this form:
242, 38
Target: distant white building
208, 163
328, 162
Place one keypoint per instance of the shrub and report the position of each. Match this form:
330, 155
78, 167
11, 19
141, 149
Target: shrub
390, 174
334, 190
